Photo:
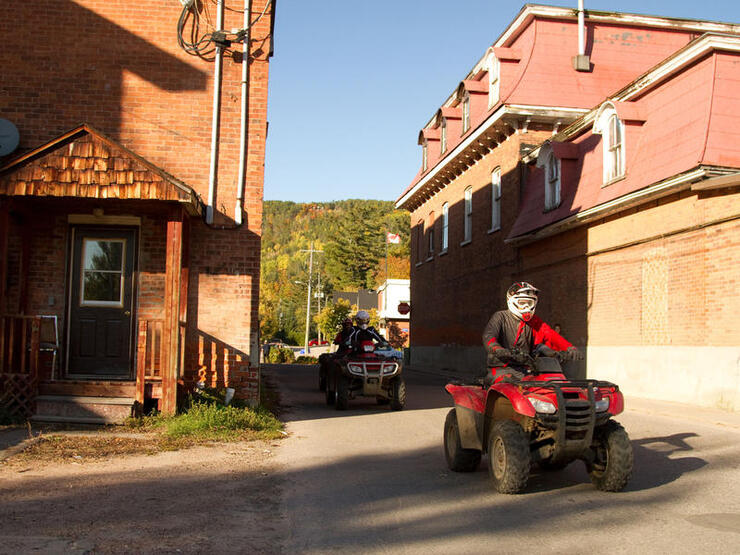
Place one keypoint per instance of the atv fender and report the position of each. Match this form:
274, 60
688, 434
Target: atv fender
518, 400
469, 406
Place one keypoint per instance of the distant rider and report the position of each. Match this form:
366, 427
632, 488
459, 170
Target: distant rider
364, 331
511, 335
343, 340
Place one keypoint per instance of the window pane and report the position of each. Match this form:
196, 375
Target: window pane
103, 255
101, 286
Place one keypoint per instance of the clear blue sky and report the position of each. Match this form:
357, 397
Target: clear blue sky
352, 82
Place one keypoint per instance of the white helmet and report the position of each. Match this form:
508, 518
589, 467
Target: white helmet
363, 319
521, 298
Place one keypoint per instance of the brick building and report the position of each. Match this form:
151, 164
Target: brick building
623, 240
120, 223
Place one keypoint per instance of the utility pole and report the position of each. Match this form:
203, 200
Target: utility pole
318, 303
308, 294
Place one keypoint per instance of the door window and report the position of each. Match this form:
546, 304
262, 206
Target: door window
102, 272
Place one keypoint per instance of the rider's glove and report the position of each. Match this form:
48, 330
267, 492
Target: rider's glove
512, 357
571, 354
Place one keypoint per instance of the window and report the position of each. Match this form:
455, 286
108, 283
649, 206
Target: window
495, 200
430, 238
420, 242
443, 136
468, 221
494, 87
445, 225
608, 125
613, 166
552, 182
424, 156
465, 113
102, 272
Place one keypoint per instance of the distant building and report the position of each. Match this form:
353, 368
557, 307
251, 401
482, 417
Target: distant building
394, 325
363, 299
609, 179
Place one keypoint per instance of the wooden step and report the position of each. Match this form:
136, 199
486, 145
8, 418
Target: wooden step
83, 388
82, 409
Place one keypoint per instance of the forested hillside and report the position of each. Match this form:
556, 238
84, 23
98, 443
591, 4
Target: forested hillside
351, 234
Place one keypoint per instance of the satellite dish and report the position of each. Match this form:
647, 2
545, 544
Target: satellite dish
9, 137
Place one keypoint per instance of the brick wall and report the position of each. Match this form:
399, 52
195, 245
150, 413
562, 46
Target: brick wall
454, 294
117, 66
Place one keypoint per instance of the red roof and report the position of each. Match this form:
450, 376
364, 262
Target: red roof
684, 122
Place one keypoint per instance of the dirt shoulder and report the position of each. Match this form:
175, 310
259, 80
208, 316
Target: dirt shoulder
216, 498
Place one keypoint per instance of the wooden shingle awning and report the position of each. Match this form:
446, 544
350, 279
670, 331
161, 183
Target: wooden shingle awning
84, 163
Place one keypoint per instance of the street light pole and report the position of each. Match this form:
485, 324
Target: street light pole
308, 294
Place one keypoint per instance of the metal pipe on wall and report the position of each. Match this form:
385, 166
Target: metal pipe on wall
216, 118
581, 30
238, 211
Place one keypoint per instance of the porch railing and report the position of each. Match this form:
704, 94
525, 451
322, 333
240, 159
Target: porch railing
151, 354
19, 363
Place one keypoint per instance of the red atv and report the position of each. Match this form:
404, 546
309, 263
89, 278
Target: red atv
542, 417
369, 371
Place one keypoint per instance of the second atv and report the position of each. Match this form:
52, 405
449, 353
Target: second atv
368, 371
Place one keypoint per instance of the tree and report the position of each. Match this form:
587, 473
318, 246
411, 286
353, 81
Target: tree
329, 320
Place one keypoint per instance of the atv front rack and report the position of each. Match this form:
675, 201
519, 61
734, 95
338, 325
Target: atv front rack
574, 422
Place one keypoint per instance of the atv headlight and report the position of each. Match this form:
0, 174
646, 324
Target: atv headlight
389, 368
544, 407
355, 368
602, 405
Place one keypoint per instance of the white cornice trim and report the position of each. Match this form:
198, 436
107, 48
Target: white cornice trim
676, 182
516, 110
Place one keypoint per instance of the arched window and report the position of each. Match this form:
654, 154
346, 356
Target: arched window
613, 158
430, 233
443, 136
494, 87
552, 182
468, 218
495, 200
611, 128
445, 225
551, 166
465, 113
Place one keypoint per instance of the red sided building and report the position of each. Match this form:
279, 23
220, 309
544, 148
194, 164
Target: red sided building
607, 177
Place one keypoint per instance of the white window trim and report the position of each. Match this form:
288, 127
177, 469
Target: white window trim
496, 193
424, 156
602, 122
467, 217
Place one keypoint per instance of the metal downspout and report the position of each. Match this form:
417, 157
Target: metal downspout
238, 211
215, 123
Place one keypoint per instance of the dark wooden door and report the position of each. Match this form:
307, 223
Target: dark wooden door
101, 302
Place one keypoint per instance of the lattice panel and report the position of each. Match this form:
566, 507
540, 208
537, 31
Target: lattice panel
18, 394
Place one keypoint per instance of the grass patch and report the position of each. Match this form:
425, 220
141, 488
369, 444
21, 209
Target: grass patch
212, 422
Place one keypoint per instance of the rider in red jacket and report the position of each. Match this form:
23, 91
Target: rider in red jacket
509, 333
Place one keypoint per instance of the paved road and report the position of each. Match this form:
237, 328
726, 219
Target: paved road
370, 480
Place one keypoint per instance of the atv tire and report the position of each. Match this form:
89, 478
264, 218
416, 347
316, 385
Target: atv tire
341, 397
398, 394
330, 397
458, 459
322, 382
509, 459
611, 468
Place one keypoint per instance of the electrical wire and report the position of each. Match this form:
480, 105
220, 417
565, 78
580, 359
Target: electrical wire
202, 44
